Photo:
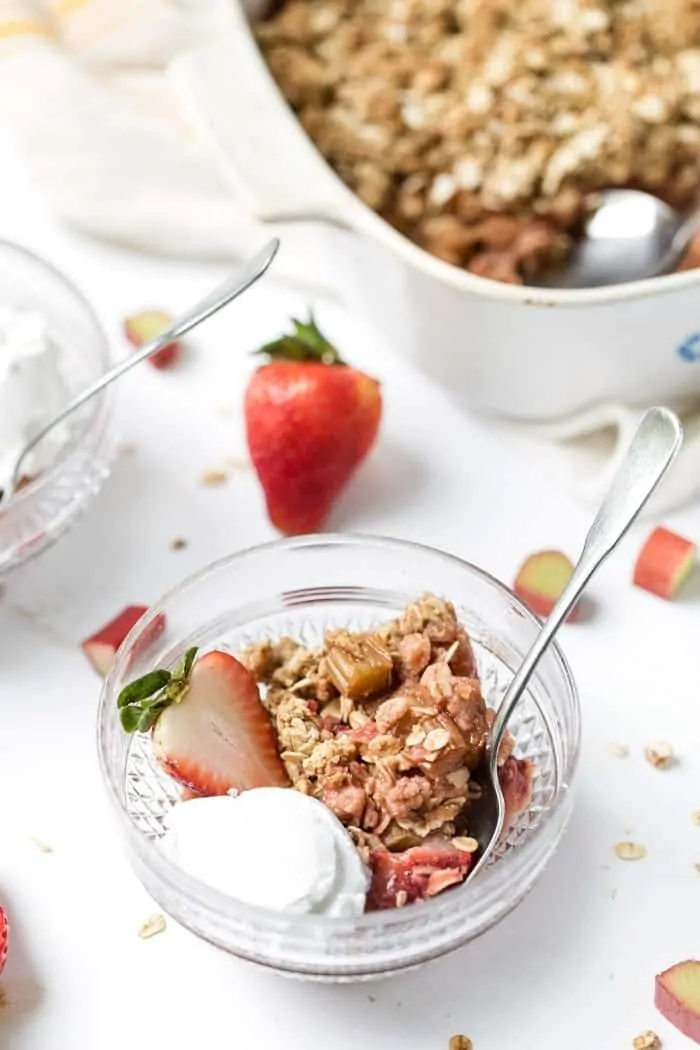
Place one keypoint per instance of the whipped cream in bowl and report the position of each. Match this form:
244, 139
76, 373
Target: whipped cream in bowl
51, 347
32, 390
272, 848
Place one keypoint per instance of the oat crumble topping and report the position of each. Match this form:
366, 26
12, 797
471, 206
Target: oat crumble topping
481, 128
386, 728
460, 1042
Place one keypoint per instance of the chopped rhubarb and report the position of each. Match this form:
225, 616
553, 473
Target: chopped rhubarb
664, 563
358, 666
102, 646
143, 327
541, 581
677, 997
415, 874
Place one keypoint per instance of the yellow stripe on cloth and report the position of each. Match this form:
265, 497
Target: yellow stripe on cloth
64, 7
23, 27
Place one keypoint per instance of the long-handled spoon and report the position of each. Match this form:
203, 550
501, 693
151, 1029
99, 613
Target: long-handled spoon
652, 450
223, 294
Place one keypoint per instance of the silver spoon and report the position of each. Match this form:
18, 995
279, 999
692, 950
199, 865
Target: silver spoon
223, 294
630, 236
652, 450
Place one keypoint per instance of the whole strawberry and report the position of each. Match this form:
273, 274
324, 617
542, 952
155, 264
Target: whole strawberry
4, 938
310, 421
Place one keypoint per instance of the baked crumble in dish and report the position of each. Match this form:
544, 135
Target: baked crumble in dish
385, 728
482, 129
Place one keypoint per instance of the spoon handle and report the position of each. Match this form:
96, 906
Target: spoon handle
223, 294
652, 450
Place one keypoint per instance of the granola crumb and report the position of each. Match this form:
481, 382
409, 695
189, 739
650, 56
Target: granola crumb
465, 844
238, 463
647, 1041
153, 925
178, 544
461, 1042
630, 851
211, 478
41, 845
618, 750
696, 867
659, 754
696, 817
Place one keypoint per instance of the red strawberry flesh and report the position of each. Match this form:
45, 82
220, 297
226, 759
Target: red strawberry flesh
219, 736
309, 427
4, 939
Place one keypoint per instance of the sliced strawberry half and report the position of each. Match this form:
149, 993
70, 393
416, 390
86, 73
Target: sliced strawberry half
4, 938
211, 731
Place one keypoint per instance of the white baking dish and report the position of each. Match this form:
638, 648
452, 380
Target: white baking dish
518, 351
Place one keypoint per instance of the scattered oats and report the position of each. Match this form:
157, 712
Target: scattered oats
696, 817
647, 1041
659, 754
465, 844
43, 847
401, 898
696, 867
178, 544
618, 750
460, 1042
211, 478
127, 448
154, 924
629, 851
238, 463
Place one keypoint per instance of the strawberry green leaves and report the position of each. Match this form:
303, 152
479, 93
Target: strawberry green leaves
142, 701
305, 343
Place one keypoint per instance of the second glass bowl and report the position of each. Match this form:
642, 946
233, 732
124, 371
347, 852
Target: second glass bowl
301, 587
39, 514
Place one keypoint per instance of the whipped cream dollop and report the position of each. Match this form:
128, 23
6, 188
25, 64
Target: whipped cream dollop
32, 389
271, 847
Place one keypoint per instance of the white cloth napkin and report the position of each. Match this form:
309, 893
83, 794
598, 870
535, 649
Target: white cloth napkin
115, 148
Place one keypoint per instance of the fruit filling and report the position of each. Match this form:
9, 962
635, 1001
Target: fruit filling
384, 728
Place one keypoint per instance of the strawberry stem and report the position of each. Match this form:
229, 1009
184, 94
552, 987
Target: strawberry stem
142, 701
306, 343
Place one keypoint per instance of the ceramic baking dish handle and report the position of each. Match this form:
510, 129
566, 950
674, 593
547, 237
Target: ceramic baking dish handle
267, 155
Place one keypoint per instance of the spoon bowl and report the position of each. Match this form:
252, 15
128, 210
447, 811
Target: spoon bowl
653, 448
629, 236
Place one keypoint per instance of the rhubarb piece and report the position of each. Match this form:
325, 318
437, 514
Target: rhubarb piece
102, 646
664, 563
416, 874
4, 938
677, 997
541, 581
143, 327
211, 731
359, 666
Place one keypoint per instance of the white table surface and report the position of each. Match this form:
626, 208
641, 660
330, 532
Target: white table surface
573, 966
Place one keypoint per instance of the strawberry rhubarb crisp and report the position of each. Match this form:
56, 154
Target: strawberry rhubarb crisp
386, 728
382, 730
481, 128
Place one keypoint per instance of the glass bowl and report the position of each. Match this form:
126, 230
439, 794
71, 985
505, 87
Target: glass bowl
300, 587
40, 513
